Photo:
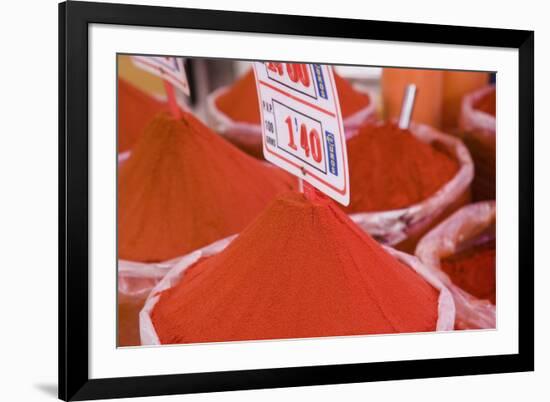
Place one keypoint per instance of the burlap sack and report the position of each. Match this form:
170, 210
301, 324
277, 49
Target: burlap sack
459, 230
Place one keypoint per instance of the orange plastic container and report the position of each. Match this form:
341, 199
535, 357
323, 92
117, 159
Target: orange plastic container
429, 99
456, 84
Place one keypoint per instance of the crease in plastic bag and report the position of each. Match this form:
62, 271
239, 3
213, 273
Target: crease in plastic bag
123, 157
447, 238
148, 334
249, 135
394, 226
136, 279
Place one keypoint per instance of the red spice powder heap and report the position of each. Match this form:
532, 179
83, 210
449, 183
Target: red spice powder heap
240, 102
136, 109
184, 187
473, 270
390, 168
301, 269
487, 103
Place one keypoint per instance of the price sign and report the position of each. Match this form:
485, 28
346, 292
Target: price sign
302, 124
170, 69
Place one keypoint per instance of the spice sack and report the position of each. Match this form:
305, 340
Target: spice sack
478, 131
460, 251
387, 173
301, 269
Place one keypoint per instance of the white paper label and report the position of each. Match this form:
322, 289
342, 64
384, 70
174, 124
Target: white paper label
171, 69
302, 124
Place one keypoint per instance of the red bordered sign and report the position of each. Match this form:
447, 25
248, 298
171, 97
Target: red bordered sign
171, 69
302, 124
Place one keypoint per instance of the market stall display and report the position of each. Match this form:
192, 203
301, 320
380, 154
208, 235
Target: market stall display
301, 269
216, 244
461, 252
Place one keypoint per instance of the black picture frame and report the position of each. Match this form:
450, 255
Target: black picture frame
74, 19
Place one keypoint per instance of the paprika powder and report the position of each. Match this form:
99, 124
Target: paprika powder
390, 168
136, 109
301, 269
184, 187
473, 270
487, 103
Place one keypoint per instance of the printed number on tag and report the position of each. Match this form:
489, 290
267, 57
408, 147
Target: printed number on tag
302, 124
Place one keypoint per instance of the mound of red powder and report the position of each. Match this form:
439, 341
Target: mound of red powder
487, 103
240, 102
390, 168
301, 269
473, 270
136, 109
184, 187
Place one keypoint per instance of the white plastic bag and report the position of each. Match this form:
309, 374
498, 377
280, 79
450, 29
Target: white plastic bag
478, 131
148, 334
135, 281
403, 227
147, 331
473, 119
461, 227
248, 136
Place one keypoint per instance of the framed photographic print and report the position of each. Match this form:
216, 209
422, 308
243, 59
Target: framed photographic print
258, 201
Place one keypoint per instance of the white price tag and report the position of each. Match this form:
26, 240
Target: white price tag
171, 69
302, 124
